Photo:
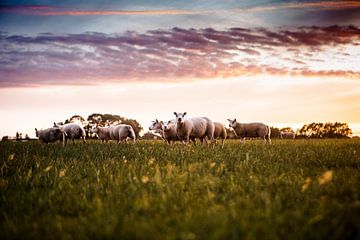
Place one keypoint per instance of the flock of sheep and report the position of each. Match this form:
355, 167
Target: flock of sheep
179, 129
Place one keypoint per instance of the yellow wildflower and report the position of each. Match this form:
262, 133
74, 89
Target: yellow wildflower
326, 177
144, 179
48, 169
306, 184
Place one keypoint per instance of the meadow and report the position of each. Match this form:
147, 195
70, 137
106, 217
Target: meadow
302, 189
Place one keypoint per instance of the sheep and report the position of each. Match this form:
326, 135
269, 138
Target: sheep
287, 135
197, 127
167, 130
157, 127
73, 131
220, 132
50, 135
122, 132
103, 133
251, 130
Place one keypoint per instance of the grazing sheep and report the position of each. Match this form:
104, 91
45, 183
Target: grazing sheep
220, 132
197, 127
251, 130
50, 135
73, 131
103, 133
122, 132
287, 135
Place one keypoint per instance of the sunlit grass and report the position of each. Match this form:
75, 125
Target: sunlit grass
303, 189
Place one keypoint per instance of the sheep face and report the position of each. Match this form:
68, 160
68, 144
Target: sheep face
180, 117
94, 129
232, 123
155, 125
166, 125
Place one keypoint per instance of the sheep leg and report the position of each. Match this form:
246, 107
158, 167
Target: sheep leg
187, 139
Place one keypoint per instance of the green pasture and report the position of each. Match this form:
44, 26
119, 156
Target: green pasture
302, 189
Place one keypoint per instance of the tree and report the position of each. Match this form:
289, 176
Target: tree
286, 129
327, 130
274, 132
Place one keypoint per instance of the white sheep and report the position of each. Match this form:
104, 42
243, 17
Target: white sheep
169, 131
166, 129
103, 133
156, 126
122, 132
287, 135
220, 132
251, 130
197, 127
73, 131
50, 135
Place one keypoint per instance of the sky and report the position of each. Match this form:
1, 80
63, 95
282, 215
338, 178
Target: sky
284, 63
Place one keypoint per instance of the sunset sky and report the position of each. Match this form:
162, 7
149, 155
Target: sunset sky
284, 63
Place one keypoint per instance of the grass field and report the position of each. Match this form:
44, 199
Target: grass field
302, 189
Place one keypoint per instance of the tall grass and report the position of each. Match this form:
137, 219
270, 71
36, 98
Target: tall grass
303, 189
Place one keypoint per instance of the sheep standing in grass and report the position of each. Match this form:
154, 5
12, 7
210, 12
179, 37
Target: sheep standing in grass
157, 127
220, 132
122, 132
169, 132
50, 135
197, 127
252, 130
287, 135
103, 133
73, 131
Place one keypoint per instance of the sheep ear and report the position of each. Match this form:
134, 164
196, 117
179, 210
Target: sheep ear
234, 120
229, 120
184, 113
36, 130
156, 120
175, 113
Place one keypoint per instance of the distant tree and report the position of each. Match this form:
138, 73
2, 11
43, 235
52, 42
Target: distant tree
5, 138
274, 132
327, 130
77, 118
287, 129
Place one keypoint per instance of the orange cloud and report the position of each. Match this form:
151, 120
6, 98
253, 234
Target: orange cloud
39, 10
147, 12
324, 5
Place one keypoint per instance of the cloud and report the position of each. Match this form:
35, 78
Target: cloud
42, 10
45, 10
177, 55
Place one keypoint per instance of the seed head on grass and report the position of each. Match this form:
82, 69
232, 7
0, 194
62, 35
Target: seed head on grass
325, 177
306, 184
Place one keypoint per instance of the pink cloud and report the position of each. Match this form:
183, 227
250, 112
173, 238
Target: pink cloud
172, 55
